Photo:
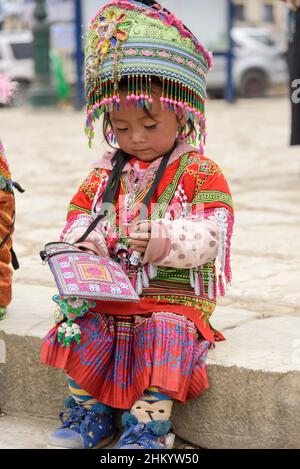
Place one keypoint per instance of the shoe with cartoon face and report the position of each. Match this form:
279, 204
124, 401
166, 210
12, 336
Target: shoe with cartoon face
83, 428
140, 435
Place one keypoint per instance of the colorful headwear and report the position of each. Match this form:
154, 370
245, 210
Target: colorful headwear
129, 39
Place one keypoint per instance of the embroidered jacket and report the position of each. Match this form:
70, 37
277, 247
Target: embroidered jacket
188, 256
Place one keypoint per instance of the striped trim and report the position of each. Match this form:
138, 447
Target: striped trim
76, 207
167, 47
213, 196
164, 200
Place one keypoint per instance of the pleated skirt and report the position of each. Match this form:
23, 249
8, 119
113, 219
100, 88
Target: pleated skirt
120, 356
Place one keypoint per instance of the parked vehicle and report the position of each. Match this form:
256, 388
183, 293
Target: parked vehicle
258, 64
16, 60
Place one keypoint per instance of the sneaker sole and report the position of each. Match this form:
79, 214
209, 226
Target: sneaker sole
98, 446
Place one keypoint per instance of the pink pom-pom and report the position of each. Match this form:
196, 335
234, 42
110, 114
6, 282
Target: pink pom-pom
142, 96
7, 89
150, 100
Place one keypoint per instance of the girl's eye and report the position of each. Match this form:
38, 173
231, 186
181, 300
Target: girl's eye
150, 126
122, 130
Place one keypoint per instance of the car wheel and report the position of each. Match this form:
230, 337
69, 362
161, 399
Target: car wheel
20, 96
254, 84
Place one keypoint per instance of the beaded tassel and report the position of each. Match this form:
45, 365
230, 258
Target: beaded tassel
124, 265
221, 286
210, 286
134, 279
201, 282
223, 248
150, 93
152, 271
104, 97
145, 277
197, 285
192, 281
139, 282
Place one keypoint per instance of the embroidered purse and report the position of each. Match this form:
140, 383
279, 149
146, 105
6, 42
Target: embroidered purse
87, 276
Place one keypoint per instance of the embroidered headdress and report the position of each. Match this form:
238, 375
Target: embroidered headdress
129, 39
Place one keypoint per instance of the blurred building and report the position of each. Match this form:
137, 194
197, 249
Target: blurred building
271, 14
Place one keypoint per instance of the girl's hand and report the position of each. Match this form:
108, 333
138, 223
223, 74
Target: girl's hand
139, 238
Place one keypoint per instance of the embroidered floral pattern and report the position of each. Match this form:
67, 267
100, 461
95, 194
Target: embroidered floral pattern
109, 31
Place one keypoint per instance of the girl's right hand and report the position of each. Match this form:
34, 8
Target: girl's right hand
140, 237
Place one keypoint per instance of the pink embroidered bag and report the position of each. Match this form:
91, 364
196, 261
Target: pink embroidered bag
84, 275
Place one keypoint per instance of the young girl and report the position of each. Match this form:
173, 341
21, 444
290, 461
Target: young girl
6, 213
145, 73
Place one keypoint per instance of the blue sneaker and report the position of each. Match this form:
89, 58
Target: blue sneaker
83, 428
139, 435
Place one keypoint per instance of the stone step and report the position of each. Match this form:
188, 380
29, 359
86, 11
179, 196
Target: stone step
254, 395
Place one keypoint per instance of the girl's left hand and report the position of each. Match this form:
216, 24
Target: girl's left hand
140, 237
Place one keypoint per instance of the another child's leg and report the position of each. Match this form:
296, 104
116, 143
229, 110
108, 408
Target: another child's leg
6, 220
148, 424
85, 424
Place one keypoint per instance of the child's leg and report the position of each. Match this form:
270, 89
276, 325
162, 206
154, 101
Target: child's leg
86, 424
148, 423
80, 396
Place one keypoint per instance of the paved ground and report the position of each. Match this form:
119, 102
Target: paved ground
49, 157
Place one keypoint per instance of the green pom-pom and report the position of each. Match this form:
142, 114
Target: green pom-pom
67, 341
77, 338
60, 337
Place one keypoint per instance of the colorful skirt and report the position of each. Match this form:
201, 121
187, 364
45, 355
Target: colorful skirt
121, 356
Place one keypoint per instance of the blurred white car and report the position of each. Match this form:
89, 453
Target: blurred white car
16, 60
258, 64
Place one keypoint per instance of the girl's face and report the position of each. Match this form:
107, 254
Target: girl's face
141, 135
